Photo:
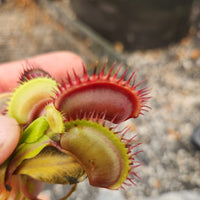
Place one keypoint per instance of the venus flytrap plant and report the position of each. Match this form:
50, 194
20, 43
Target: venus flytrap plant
69, 132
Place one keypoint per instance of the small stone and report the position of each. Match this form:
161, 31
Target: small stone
195, 54
196, 137
119, 47
105, 194
157, 184
174, 134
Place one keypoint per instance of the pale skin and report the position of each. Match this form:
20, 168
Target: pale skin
57, 64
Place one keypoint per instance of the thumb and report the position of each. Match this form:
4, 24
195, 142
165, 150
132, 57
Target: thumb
9, 136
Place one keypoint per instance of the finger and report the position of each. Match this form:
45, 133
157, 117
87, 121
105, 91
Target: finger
56, 63
9, 136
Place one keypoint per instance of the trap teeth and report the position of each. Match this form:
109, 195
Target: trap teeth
100, 152
28, 96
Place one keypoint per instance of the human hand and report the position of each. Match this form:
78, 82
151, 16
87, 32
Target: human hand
57, 64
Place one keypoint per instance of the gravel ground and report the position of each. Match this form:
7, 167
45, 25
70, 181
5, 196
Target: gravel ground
171, 164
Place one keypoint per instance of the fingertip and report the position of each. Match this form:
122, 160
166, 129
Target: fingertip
58, 64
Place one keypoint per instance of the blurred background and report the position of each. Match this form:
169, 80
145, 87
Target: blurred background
161, 40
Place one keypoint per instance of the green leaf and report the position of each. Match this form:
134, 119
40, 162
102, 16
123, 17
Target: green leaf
53, 166
26, 151
35, 130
